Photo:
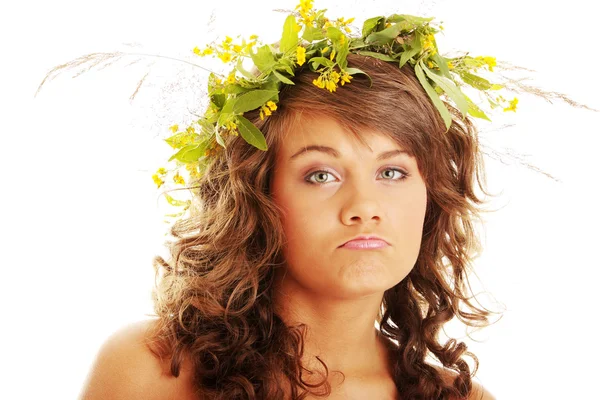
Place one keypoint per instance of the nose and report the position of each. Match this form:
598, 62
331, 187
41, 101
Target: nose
362, 206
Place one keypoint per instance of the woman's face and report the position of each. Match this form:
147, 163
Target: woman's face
332, 196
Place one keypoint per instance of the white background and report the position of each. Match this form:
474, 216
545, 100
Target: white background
81, 219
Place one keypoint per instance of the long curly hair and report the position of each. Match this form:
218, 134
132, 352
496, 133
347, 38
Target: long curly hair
213, 297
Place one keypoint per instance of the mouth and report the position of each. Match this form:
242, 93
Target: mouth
365, 244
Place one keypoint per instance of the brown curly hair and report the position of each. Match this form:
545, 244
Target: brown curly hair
213, 298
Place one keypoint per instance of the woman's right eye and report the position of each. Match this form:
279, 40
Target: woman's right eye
320, 175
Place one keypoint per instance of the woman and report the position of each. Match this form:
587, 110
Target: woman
323, 267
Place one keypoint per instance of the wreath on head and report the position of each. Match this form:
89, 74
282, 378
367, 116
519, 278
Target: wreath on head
311, 39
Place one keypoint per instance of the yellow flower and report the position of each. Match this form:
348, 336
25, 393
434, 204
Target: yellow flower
428, 43
335, 77
174, 128
491, 62
231, 78
300, 55
450, 65
226, 46
305, 5
207, 51
225, 57
348, 30
429, 64
178, 179
332, 55
159, 182
161, 171
325, 50
252, 37
271, 105
197, 51
346, 78
319, 82
513, 105
331, 86
228, 39
237, 48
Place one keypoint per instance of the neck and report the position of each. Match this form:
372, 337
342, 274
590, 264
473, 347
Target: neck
340, 332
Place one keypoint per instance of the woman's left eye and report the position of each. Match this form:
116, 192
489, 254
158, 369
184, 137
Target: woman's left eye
322, 173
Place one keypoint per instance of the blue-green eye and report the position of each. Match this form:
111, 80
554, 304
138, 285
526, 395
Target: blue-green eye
322, 176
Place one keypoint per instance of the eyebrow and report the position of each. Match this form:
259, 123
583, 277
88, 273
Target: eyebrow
333, 152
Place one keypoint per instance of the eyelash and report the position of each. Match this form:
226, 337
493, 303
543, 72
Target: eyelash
307, 179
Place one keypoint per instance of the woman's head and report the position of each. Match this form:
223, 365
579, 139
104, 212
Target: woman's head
259, 214
331, 196
388, 111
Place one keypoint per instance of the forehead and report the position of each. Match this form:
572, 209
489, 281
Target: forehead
326, 131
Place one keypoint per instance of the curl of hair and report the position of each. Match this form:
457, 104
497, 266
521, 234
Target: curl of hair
213, 299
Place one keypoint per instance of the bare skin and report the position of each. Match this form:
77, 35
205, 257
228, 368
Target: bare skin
336, 291
126, 369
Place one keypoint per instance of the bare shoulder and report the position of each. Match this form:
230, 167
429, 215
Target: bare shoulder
478, 392
125, 368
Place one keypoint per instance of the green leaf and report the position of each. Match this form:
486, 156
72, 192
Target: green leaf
227, 110
263, 59
411, 19
205, 124
236, 89
354, 71
251, 133
312, 34
252, 100
282, 78
476, 111
219, 138
433, 95
384, 36
379, 56
190, 153
176, 203
316, 61
371, 24
342, 54
176, 140
228, 107
283, 66
442, 65
407, 55
451, 90
218, 99
334, 34
289, 37
476, 81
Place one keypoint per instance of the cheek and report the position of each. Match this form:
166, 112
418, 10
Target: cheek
409, 212
304, 219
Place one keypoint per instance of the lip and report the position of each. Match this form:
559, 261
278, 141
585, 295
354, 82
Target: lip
365, 243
